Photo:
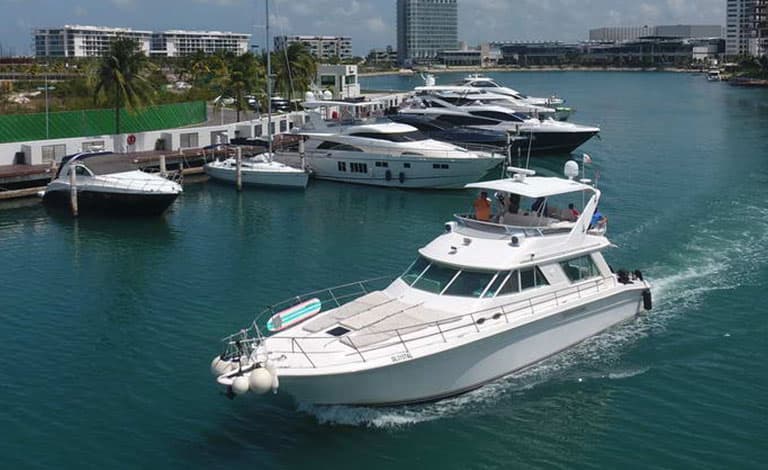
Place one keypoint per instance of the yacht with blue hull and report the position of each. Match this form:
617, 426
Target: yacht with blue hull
111, 186
547, 136
492, 294
467, 137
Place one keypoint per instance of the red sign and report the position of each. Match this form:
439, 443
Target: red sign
131, 139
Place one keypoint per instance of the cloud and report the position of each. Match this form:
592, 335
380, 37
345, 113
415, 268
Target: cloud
124, 4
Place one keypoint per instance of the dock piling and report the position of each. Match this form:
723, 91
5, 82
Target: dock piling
239, 169
163, 169
301, 153
73, 190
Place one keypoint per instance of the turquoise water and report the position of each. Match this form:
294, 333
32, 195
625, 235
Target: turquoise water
109, 326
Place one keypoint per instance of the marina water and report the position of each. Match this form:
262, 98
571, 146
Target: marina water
108, 325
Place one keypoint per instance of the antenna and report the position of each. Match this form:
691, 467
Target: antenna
269, 88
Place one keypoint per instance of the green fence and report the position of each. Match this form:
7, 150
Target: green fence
25, 127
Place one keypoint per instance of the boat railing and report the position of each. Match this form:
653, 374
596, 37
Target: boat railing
400, 343
467, 220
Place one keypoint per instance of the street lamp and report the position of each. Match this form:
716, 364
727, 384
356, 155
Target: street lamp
46, 88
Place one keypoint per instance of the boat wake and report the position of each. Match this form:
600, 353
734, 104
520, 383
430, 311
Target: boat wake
712, 260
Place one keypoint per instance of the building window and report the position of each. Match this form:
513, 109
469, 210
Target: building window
342, 166
52, 153
406, 165
283, 126
188, 140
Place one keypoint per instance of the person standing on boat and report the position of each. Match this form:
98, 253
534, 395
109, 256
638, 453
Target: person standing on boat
482, 207
573, 213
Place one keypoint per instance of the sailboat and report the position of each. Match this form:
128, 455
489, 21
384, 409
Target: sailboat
262, 169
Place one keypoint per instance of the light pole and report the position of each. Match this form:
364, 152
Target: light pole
46, 88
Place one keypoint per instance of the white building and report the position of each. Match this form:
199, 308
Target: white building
425, 28
84, 41
322, 47
341, 80
179, 43
94, 41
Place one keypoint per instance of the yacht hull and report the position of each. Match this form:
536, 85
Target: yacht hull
555, 142
402, 172
282, 179
469, 366
112, 203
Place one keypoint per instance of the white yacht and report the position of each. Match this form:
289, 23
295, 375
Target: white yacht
461, 96
487, 83
482, 300
259, 170
546, 135
109, 185
385, 153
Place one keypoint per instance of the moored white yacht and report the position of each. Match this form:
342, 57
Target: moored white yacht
108, 185
483, 299
487, 83
261, 170
385, 153
547, 136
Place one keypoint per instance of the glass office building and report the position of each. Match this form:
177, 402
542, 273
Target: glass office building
425, 28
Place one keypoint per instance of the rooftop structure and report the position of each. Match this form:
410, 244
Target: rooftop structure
425, 28
631, 33
322, 47
94, 41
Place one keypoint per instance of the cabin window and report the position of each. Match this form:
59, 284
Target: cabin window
382, 164
580, 268
469, 284
415, 270
413, 136
338, 331
342, 166
531, 278
511, 286
435, 278
459, 120
440, 166
328, 145
355, 167
258, 131
498, 115
283, 126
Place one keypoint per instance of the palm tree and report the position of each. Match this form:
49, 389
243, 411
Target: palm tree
236, 76
295, 68
122, 78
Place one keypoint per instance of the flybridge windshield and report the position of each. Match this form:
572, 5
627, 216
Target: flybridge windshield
413, 136
441, 279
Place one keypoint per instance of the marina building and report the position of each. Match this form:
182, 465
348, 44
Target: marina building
94, 41
631, 33
425, 28
322, 47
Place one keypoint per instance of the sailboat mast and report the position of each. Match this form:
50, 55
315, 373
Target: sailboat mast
269, 88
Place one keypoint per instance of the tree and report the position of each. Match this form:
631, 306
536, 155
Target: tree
294, 68
121, 77
236, 76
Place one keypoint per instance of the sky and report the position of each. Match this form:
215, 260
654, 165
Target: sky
370, 23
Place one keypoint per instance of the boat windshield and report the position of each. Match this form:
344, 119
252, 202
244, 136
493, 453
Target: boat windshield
446, 280
413, 136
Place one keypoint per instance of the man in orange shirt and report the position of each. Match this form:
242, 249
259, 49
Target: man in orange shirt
483, 207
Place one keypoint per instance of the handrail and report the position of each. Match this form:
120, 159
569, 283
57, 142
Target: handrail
533, 303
